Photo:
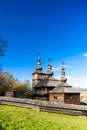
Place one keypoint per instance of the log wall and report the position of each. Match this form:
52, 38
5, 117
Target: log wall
73, 98
56, 97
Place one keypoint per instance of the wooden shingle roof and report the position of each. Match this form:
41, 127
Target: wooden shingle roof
48, 82
64, 90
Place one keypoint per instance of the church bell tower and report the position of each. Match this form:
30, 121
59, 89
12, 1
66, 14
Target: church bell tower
38, 75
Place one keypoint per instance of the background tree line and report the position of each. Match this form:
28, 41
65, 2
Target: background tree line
9, 83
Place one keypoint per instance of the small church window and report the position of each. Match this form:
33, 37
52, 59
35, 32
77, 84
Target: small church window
55, 97
72, 98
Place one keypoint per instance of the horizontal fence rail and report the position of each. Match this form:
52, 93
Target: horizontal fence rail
47, 106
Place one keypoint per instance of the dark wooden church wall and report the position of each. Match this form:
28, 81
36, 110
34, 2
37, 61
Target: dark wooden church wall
72, 98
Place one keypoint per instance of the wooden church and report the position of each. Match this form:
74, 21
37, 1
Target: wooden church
46, 87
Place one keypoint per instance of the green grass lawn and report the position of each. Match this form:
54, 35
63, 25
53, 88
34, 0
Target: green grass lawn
18, 118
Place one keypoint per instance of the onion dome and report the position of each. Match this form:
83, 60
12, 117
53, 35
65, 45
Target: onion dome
38, 68
63, 77
49, 72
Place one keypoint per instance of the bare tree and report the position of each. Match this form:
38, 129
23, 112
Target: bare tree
3, 49
3, 46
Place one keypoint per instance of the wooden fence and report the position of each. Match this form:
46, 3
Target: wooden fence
79, 110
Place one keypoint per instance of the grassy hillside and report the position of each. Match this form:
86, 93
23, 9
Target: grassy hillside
17, 118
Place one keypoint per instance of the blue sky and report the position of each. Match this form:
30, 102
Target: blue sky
55, 28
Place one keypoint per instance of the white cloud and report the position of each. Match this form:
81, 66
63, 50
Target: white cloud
59, 68
56, 68
77, 82
85, 54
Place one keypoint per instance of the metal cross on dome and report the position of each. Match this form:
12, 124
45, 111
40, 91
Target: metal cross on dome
63, 63
49, 60
38, 54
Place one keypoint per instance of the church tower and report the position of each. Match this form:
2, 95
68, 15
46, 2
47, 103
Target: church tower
38, 75
49, 72
63, 78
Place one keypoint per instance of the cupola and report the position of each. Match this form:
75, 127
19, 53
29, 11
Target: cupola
63, 77
49, 72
